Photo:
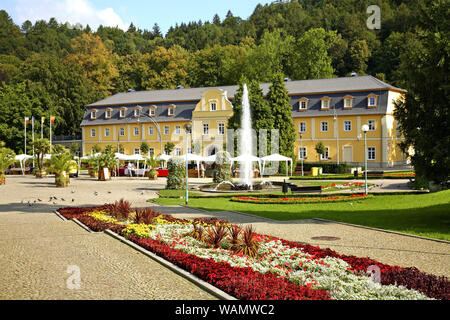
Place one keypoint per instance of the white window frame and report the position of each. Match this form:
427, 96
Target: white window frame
108, 114
107, 132
122, 113
374, 152
321, 126
300, 106
177, 129
166, 130
93, 133
305, 153
300, 127
219, 131
211, 104
151, 112
325, 155
206, 126
137, 112
151, 151
322, 103
137, 151
347, 122
150, 130
177, 151
170, 111
93, 115
374, 127
121, 132
135, 131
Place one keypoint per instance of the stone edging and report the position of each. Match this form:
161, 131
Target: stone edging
238, 212
199, 282
59, 215
382, 230
85, 227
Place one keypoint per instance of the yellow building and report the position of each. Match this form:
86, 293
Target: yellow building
328, 110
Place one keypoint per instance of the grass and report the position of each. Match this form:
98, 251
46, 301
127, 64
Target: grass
425, 215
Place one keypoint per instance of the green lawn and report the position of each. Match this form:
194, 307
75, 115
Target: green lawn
426, 215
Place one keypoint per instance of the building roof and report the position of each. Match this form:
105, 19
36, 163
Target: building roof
347, 84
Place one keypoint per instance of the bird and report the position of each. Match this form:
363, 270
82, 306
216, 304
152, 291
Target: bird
73, 200
54, 202
109, 191
73, 191
96, 193
39, 200
62, 199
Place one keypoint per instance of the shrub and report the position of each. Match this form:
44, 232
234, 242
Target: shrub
198, 233
327, 167
176, 176
145, 216
249, 245
141, 230
222, 170
235, 231
216, 233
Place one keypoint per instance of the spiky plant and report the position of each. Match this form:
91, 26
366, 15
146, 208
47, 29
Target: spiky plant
216, 233
249, 245
198, 233
145, 216
124, 209
235, 231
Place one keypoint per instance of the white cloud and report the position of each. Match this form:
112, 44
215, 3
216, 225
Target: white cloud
72, 11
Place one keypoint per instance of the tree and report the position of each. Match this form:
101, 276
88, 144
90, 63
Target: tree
41, 147
424, 115
281, 111
144, 147
6, 159
320, 149
177, 174
60, 165
168, 147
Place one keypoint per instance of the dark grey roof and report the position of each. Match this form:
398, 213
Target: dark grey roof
357, 83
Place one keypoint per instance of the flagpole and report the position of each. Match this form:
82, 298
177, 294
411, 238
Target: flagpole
50, 133
32, 136
42, 127
25, 135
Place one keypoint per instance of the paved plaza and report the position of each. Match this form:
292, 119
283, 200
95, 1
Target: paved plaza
37, 247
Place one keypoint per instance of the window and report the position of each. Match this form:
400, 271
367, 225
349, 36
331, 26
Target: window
177, 130
93, 133
205, 128
324, 156
371, 153
178, 151
122, 113
151, 151
137, 151
348, 101
137, 112
108, 113
325, 103
93, 114
213, 106
302, 153
303, 104
136, 131
302, 127
371, 101
170, 110
152, 111
106, 132
166, 130
371, 124
121, 132
324, 126
221, 129
150, 130
347, 125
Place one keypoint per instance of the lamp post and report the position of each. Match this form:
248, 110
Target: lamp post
301, 151
365, 128
187, 128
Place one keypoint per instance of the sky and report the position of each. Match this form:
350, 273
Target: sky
143, 14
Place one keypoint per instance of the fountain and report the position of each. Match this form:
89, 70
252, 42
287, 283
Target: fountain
246, 143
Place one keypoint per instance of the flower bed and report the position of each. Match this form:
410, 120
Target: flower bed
248, 265
301, 200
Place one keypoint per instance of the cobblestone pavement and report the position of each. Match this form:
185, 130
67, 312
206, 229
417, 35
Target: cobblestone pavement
37, 247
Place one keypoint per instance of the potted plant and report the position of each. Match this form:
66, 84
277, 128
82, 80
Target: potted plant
151, 162
6, 159
60, 165
93, 166
41, 147
106, 160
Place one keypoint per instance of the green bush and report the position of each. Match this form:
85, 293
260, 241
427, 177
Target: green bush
176, 178
327, 167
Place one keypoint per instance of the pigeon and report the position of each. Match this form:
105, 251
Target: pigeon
73, 200
62, 199
109, 191
54, 202
96, 193
73, 191
39, 200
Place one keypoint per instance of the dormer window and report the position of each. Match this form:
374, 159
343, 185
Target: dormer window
171, 110
372, 101
325, 103
108, 113
93, 114
122, 112
348, 102
152, 111
213, 106
303, 104
137, 111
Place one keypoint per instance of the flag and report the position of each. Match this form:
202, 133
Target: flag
32, 120
27, 120
42, 119
52, 119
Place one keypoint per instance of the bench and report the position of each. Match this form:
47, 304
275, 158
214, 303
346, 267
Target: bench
296, 189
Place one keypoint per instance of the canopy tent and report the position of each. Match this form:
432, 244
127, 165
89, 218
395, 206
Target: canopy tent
163, 157
276, 157
22, 158
210, 158
246, 158
192, 157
